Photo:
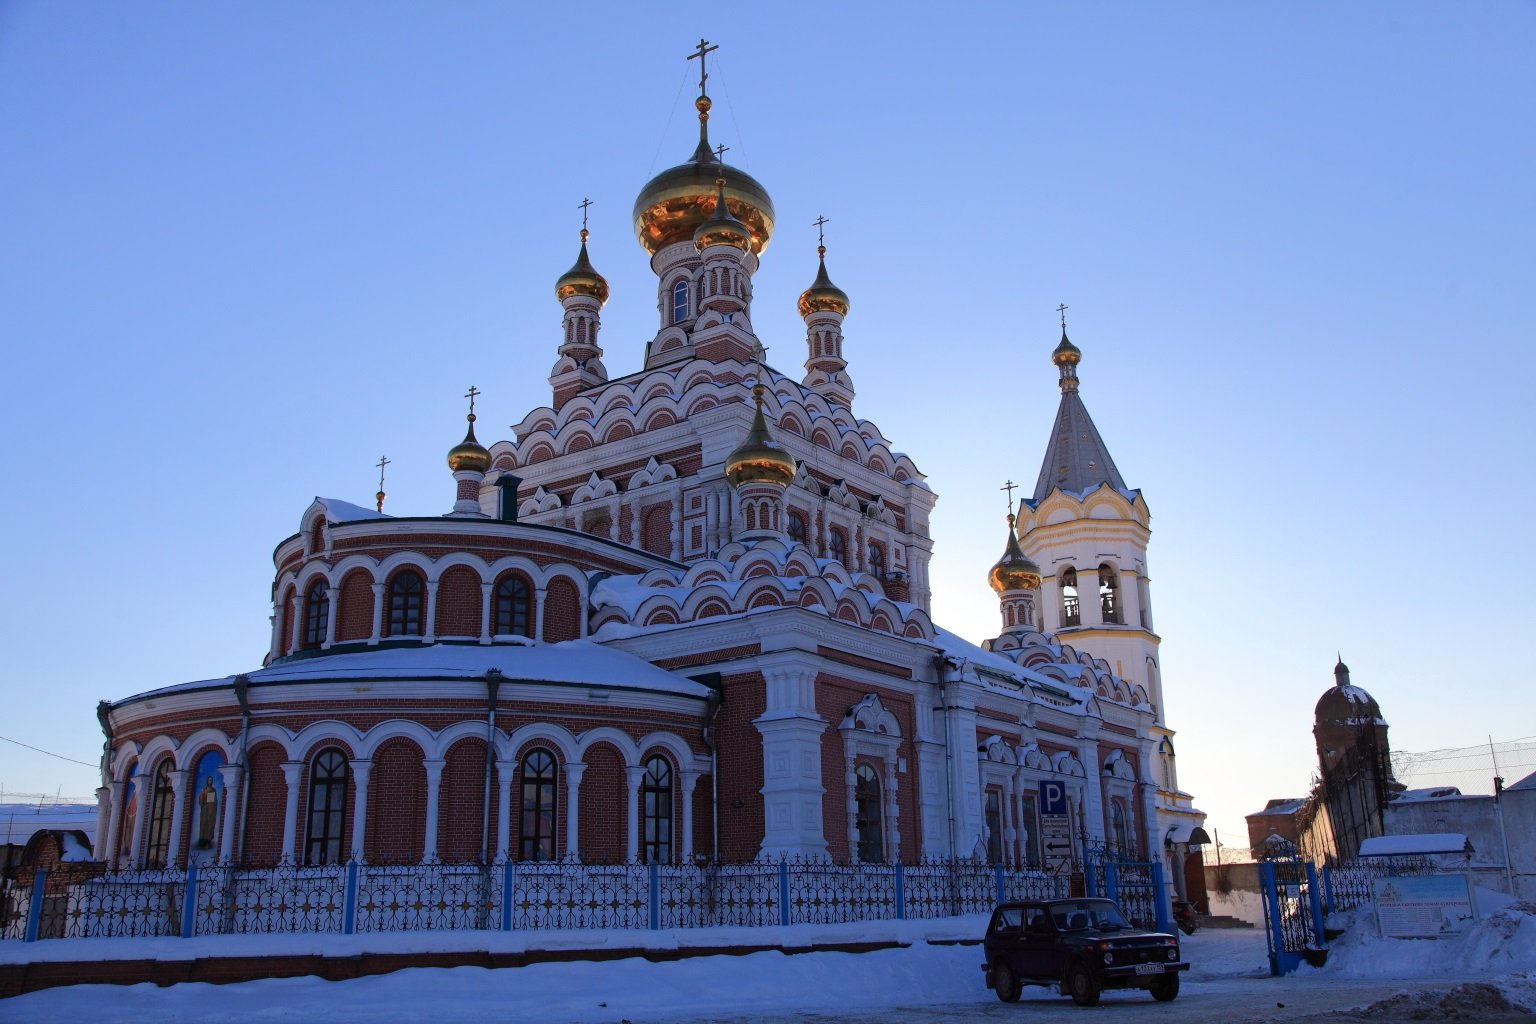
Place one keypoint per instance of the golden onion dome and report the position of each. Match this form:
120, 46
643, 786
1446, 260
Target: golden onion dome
1014, 571
760, 459
673, 204
823, 295
722, 228
1066, 353
469, 454
582, 279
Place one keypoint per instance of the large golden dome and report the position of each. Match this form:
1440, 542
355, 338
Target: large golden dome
1014, 571
760, 459
673, 204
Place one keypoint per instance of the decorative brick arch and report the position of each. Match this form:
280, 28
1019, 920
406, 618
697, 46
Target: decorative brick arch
459, 602
397, 803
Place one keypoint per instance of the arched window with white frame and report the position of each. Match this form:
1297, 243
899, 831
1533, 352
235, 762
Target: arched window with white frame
656, 812
680, 302
868, 818
1109, 593
1071, 612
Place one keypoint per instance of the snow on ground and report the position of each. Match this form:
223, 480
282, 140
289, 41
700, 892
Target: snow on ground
1228, 966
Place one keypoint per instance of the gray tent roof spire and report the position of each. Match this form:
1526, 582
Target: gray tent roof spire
1076, 459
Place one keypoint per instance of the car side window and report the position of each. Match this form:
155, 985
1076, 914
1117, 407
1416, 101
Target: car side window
1040, 922
1009, 918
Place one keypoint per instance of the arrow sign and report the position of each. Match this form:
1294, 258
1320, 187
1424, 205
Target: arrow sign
1053, 847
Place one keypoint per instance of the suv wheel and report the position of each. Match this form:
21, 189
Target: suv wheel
1165, 989
1083, 985
1005, 982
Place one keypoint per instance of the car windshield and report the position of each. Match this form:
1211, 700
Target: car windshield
1074, 917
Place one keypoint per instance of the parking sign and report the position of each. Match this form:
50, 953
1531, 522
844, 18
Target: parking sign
1053, 798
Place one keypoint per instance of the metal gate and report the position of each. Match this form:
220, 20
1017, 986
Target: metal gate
1138, 886
1293, 910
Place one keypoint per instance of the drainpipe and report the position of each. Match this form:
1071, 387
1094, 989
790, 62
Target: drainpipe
493, 679
243, 696
711, 709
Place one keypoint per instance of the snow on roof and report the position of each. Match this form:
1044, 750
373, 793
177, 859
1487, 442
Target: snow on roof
19, 822
580, 662
345, 512
1529, 782
986, 661
1432, 793
1283, 806
1424, 842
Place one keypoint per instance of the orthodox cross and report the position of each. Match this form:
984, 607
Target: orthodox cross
380, 496
1062, 309
470, 394
759, 351
819, 224
1009, 486
705, 48
720, 152
585, 202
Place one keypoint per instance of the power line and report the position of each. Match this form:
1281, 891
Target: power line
50, 753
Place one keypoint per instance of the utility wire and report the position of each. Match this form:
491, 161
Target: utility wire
50, 753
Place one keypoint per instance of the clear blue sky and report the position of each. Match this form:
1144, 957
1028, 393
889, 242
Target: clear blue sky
247, 248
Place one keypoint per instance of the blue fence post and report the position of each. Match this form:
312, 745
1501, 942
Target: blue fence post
508, 877
1112, 881
1315, 899
783, 892
1002, 885
189, 902
655, 888
901, 894
1272, 908
1160, 895
1090, 879
349, 907
35, 909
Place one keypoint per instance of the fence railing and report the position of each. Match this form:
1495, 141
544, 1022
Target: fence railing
86, 900
1348, 885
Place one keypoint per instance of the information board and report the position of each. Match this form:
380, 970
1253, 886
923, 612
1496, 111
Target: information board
1422, 906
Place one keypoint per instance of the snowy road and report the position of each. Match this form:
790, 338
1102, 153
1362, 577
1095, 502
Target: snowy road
917, 984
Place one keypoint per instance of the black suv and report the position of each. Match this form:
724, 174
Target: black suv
1084, 946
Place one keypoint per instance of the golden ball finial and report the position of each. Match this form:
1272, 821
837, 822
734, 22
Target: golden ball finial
1014, 571
1066, 353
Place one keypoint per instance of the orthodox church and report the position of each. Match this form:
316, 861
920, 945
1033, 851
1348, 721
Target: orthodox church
682, 615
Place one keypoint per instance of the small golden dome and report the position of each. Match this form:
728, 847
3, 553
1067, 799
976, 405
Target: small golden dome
469, 454
1066, 353
673, 204
760, 459
722, 228
582, 279
823, 295
1014, 571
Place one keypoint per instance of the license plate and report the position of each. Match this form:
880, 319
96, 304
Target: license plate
1149, 968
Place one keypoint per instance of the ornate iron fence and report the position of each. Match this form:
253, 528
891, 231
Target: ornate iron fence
1348, 885
288, 899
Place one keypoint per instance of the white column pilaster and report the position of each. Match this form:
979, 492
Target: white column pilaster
178, 816
429, 627
486, 590
140, 818
573, 773
293, 775
634, 775
360, 772
108, 841
690, 783
333, 596
434, 769
230, 808
378, 612
505, 770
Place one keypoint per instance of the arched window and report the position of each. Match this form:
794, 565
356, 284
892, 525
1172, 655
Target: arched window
797, 526
877, 560
837, 545
161, 805
680, 302
867, 822
327, 807
512, 607
1071, 614
1109, 593
656, 812
317, 613
994, 826
538, 803
405, 605
1119, 832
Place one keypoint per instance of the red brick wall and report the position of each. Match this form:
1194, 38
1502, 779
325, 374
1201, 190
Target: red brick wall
397, 804
285, 639
656, 529
562, 611
461, 807
264, 814
834, 696
603, 838
355, 616
703, 816
740, 767
459, 602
